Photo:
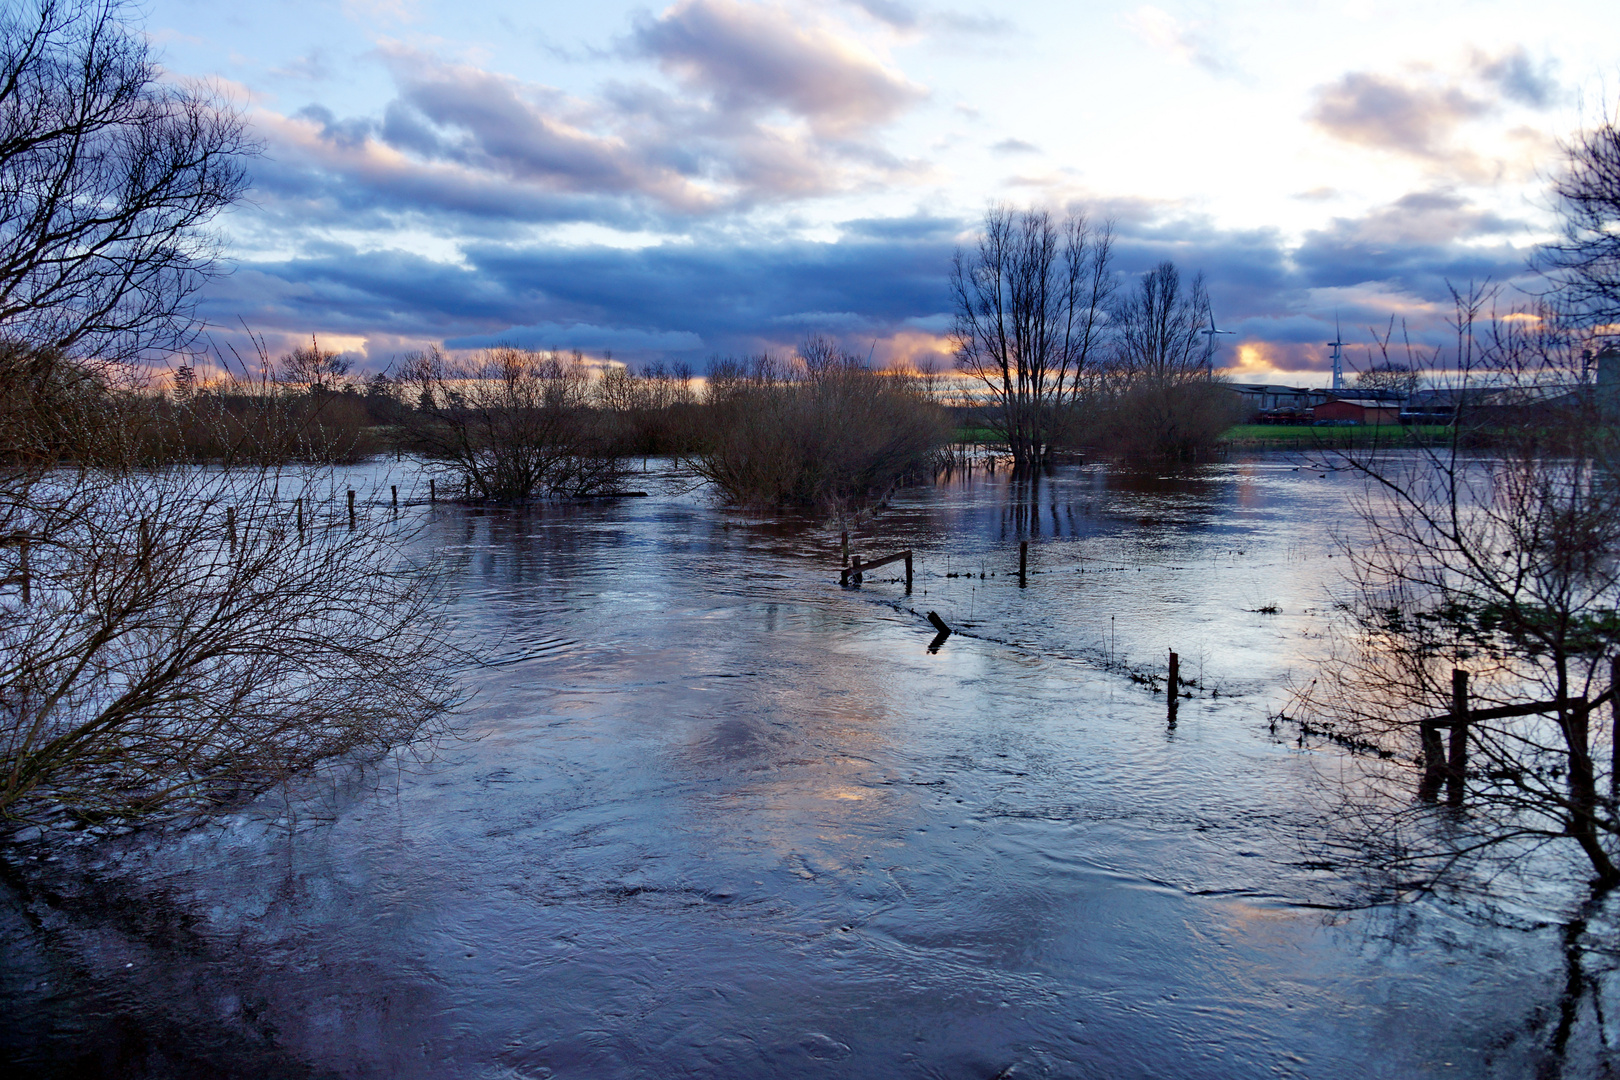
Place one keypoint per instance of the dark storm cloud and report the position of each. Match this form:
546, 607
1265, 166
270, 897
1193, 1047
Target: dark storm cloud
1419, 242
885, 277
677, 299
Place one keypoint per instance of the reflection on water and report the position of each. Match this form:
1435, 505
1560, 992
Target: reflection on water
716, 816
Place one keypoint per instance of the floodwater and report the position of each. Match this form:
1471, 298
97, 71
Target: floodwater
714, 815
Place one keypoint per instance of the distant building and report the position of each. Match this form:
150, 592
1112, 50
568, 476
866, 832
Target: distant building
1347, 410
1266, 403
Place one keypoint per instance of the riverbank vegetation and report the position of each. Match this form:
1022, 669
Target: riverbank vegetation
1485, 585
185, 617
820, 429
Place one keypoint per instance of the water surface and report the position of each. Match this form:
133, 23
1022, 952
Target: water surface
716, 816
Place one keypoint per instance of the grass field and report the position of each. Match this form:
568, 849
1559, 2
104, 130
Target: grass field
1279, 436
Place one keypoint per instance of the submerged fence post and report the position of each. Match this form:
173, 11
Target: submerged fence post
1173, 689
351, 509
1023, 565
230, 525
908, 571
1457, 767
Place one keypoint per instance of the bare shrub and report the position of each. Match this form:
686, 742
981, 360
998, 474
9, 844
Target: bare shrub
1495, 553
1160, 420
155, 668
511, 425
1156, 399
819, 431
653, 410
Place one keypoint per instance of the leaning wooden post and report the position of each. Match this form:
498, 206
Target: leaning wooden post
1457, 766
351, 509
1023, 563
230, 525
846, 550
908, 571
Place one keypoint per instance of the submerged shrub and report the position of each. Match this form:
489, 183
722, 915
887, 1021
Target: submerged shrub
1161, 420
173, 641
822, 431
511, 425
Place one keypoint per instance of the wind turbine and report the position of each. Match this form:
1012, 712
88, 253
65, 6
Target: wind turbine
1209, 345
1337, 356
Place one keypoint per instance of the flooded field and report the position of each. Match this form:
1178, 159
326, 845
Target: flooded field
716, 816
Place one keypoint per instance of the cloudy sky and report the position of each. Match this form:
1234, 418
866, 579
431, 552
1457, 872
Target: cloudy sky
722, 176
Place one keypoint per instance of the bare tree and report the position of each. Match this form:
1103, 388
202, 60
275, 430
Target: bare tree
1389, 375
108, 179
315, 369
175, 641
1030, 319
1495, 554
1583, 265
512, 424
1160, 327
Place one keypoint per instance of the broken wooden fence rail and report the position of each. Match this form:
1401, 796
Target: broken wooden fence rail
1447, 765
856, 568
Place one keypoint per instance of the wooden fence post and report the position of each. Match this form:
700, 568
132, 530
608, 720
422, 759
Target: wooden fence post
908, 571
1457, 766
393, 490
1023, 563
855, 570
299, 504
351, 509
230, 525
433, 494
1173, 689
